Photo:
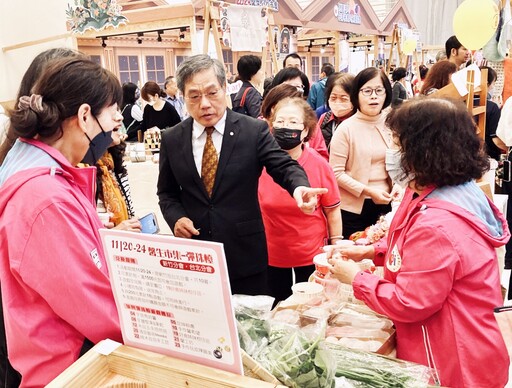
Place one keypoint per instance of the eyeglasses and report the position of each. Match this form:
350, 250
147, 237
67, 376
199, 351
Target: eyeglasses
292, 124
195, 98
369, 91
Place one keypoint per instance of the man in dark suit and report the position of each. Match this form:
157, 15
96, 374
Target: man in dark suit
225, 209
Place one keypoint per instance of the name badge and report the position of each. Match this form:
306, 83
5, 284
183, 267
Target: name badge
394, 261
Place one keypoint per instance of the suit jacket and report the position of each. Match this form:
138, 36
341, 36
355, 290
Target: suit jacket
232, 215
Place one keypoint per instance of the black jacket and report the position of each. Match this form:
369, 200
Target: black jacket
232, 215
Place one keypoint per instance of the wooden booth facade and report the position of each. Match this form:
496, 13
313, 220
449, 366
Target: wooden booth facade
158, 36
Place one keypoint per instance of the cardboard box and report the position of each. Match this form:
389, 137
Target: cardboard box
131, 367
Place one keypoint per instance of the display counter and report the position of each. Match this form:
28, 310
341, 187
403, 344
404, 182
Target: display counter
109, 364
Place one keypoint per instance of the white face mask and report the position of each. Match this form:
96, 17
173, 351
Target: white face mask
340, 109
394, 168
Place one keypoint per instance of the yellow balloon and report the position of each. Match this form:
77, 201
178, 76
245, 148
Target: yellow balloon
408, 46
475, 22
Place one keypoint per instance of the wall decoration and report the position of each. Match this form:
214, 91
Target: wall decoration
285, 41
86, 15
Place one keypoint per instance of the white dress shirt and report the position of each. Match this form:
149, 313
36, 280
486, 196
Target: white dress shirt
199, 140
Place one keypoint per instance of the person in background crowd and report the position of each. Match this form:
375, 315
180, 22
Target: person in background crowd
438, 77
8, 376
158, 112
292, 76
441, 282
315, 140
456, 53
171, 89
441, 56
112, 187
417, 84
399, 93
316, 96
294, 238
132, 114
55, 318
494, 146
251, 74
209, 170
358, 149
292, 60
337, 93
505, 124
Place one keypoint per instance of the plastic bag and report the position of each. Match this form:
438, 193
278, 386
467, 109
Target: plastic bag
251, 313
297, 361
378, 371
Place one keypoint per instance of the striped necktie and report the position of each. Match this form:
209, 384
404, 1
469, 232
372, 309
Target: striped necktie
209, 162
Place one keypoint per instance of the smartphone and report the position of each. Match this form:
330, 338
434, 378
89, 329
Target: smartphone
149, 224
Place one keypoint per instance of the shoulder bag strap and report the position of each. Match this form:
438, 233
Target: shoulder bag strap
242, 101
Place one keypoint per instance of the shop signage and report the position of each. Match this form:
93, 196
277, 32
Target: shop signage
272, 4
285, 41
173, 297
349, 12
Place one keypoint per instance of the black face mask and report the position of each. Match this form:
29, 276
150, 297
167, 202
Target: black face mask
287, 138
97, 146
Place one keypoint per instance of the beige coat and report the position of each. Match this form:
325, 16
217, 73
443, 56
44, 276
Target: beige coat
358, 150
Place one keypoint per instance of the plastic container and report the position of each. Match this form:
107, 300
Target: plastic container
104, 217
322, 266
305, 291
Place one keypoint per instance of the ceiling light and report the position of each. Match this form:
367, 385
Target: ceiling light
159, 38
322, 50
103, 44
139, 37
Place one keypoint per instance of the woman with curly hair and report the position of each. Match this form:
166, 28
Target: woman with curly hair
441, 278
269, 103
438, 77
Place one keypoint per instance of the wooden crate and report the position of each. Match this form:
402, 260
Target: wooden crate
131, 367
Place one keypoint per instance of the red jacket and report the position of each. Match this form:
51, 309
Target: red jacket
55, 286
441, 283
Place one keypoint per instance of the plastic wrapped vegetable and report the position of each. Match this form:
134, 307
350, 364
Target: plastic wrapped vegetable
373, 370
251, 313
297, 361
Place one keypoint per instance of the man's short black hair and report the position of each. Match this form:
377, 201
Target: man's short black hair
451, 43
247, 66
327, 69
292, 55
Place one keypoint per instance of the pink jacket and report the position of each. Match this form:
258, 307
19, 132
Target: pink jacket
441, 283
54, 280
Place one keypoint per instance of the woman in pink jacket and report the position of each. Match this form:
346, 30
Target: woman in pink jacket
56, 292
441, 278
